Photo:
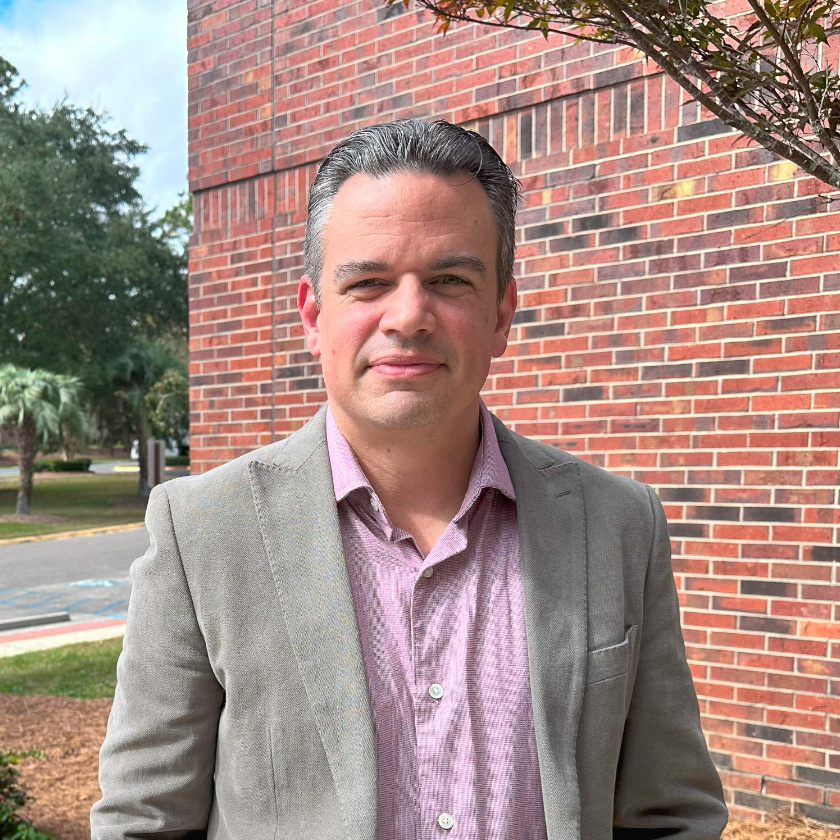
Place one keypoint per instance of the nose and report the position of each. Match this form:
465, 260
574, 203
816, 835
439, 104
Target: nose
408, 309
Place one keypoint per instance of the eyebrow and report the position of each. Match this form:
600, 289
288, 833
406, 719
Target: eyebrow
459, 261
353, 267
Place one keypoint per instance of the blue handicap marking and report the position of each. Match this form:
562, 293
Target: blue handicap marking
93, 583
19, 598
75, 604
45, 600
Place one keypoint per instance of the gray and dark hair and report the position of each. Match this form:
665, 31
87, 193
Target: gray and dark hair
436, 148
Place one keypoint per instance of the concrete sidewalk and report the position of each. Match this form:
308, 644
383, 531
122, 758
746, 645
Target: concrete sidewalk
14, 642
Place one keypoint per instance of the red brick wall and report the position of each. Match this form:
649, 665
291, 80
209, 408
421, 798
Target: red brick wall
679, 320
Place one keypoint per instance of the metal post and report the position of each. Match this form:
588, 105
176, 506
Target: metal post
156, 451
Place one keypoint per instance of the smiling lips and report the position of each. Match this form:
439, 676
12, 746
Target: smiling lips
404, 367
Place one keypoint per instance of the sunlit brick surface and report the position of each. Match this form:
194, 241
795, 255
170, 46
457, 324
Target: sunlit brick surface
679, 320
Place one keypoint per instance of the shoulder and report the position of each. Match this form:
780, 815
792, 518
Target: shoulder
599, 485
227, 480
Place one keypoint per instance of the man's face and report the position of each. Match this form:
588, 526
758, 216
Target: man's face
409, 316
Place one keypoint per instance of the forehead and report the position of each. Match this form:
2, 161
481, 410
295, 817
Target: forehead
409, 211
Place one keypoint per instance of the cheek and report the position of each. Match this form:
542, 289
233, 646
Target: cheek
342, 339
468, 331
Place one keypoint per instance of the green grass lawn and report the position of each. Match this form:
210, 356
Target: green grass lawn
83, 500
85, 670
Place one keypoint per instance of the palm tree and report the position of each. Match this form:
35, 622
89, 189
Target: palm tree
43, 406
132, 376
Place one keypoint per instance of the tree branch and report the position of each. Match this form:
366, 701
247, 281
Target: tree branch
802, 82
460, 17
722, 79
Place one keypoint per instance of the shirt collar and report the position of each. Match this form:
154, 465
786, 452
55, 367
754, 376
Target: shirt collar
489, 468
347, 474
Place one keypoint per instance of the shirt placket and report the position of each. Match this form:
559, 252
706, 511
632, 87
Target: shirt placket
434, 696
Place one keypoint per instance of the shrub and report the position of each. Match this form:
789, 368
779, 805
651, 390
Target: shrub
60, 465
177, 460
13, 797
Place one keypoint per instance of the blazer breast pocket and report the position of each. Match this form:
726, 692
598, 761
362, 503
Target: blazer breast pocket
609, 662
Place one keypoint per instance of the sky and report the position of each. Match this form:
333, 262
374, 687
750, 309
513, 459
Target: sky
127, 58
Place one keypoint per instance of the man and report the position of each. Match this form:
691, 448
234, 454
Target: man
405, 621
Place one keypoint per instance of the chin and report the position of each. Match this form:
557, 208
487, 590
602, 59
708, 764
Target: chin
406, 414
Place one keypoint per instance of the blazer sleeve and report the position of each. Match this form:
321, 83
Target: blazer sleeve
156, 764
667, 785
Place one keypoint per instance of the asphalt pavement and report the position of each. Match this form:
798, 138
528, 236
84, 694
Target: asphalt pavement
86, 576
98, 467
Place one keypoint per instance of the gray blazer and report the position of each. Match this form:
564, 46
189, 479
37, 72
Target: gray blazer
242, 709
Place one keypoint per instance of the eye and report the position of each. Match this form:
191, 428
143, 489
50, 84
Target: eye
364, 285
451, 280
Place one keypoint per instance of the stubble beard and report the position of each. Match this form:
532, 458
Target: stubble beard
405, 410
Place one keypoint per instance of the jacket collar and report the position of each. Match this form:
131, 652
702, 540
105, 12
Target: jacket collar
551, 519
292, 489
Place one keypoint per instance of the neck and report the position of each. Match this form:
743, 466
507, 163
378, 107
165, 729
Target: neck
420, 475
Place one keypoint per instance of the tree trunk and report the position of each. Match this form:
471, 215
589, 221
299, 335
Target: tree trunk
69, 447
26, 460
142, 456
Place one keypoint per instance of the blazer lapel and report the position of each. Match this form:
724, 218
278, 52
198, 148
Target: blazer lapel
299, 525
552, 546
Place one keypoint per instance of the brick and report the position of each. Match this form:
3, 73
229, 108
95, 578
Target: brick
715, 512
797, 792
817, 666
744, 641
592, 392
545, 231
796, 682
683, 494
789, 209
758, 271
820, 629
803, 609
776, 626
781, 325
824, 553
798, 720
800, 571
817, 775
733, 218
770, 514
821, 813
697, 130
757, 802
784, 752
770, 588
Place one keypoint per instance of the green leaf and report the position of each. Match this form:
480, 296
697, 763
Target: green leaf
817, 32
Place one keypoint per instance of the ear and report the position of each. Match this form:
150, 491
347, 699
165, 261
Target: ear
504, 318
308, 309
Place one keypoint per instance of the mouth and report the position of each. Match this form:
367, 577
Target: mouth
404, 367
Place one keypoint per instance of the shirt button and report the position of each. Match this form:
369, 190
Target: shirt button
436, 690
428, 572
445, 820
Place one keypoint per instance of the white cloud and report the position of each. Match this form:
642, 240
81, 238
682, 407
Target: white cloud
126, 58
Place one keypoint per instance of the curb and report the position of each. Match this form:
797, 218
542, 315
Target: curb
58, 635
60, 535
9, 624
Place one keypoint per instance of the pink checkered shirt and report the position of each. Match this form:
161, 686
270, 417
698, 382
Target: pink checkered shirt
443, 640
